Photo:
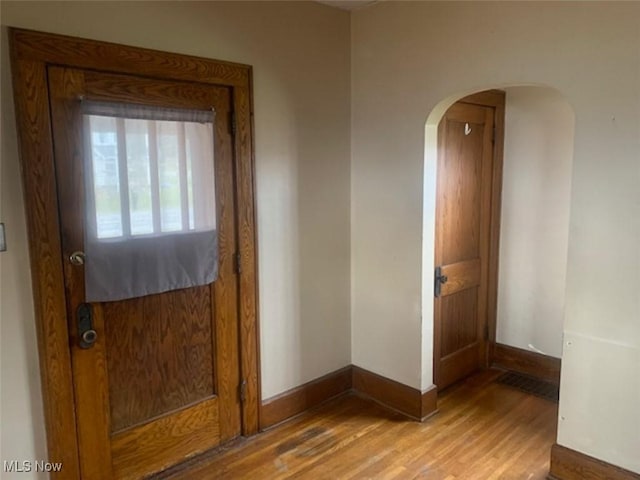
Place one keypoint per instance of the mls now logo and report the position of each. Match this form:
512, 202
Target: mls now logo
16, 466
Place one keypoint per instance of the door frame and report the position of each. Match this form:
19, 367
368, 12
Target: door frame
31, 54
495, 99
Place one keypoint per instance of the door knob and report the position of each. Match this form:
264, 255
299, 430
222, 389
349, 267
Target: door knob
77, 258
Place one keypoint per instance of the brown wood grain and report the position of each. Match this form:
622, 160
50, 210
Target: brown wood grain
225, 288
464, 112
160, 348
40, 193
460, 328
162, 93
467, 233
461, 276
497, 100
485, 237
160, 354
154, 446
488, 98
534, 364
92, 394
111, 57
568, 464
429, 404
459, 365
32, 54
496, 209
460, 187
91, 382
247, 241
483, 430
402, 398
168, 351
300, 399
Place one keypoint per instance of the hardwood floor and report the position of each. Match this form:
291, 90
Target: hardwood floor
483, 430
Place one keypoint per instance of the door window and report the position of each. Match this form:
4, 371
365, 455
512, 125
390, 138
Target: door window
150, 199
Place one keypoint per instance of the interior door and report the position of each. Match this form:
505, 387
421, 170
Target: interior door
463, 223
160, 383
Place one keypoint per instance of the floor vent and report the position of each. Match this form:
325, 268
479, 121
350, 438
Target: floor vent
531, 385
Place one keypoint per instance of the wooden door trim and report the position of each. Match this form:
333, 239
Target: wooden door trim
497, 100
31, 54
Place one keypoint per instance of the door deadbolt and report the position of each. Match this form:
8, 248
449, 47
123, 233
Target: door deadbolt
86, 333
89, 337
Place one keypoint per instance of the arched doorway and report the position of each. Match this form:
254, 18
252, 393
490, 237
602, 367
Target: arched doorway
538, 154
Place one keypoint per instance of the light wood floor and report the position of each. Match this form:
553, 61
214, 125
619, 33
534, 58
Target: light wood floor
483, 430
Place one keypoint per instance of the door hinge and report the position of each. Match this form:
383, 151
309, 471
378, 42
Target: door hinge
486, 331
242, 390
493, 135
232, 122
238, 263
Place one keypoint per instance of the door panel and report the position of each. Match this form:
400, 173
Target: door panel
460, 185
460, 329
160, 383
463, 221
460, 276
157, 445
159, 366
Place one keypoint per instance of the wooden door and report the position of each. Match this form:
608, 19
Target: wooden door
466, 216
160, 384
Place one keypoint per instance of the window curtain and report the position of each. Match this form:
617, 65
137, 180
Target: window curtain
150, 213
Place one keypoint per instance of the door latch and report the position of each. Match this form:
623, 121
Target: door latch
86, 333
439, 280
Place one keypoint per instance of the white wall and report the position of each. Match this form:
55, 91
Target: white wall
406, 58
301, 56
534, 230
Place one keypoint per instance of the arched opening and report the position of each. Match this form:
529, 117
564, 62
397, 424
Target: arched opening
534, 225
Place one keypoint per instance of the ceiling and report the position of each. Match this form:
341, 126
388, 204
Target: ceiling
348, 4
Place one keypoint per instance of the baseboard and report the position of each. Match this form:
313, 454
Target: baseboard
397, 396
409, 401
567, 464
297, 400
534, 364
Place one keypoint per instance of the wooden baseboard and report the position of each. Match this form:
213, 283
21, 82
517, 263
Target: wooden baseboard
530, 363
567, 464
409, 401
402, 398
297, 400
429, 402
